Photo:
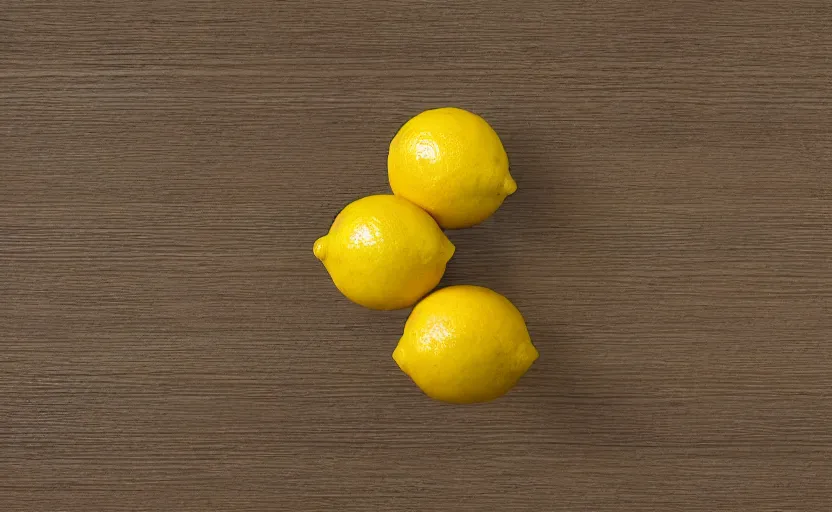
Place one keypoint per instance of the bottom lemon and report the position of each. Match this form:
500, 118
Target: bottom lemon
465, 344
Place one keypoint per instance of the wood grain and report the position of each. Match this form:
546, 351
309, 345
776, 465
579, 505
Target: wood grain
170, 343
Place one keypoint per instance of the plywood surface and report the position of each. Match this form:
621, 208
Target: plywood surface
168, 341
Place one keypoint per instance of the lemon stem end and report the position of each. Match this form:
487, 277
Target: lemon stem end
509, 185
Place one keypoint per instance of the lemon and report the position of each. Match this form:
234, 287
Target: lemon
465, 344
451, 163
384, 252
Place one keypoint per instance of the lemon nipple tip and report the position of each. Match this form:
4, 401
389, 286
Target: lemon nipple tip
319, 248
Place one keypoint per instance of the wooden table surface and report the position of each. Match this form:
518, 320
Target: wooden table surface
170, 343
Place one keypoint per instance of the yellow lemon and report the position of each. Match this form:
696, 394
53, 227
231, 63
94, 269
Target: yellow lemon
451, 163
465, 344
384, 252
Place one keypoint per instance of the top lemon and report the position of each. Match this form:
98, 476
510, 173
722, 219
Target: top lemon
451, 163
384, 252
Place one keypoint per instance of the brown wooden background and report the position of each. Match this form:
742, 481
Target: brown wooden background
170, 343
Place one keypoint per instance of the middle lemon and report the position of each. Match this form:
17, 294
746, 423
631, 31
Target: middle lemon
384, 252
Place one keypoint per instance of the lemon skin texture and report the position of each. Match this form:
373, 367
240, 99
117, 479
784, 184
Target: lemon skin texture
383, 252
465, 344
